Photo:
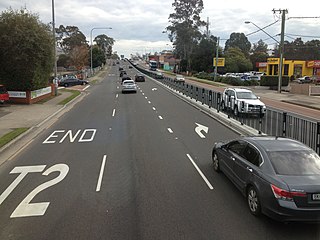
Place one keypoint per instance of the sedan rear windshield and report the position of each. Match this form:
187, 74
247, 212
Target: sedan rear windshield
295, 162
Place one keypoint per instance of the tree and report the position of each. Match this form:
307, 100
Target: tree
184, 29
236, 61
79, 57
98, 57
204, 52
238, 40
26, 51
104, 42
259, 52
70, 37
63, 61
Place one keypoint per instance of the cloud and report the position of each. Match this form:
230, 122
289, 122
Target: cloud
138, 25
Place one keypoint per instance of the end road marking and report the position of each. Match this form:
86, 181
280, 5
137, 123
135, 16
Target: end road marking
200, 172
101, 173
160, 117
170, 130
113, 112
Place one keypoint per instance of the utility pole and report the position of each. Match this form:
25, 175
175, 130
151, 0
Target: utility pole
281, 47
207, 27
217, 57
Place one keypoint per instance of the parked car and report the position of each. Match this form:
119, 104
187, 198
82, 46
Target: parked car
66, 82
129, 86
280, 177
179, 78
4, 95
158, 75
242, 101
304, 79
139, 78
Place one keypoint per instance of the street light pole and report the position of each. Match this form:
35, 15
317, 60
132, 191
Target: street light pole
54, 50
91, 70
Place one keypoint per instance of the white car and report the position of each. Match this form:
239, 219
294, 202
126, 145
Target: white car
179, 78
241, 100
129, 86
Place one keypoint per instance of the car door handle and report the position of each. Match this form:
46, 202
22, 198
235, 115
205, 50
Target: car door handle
250, 169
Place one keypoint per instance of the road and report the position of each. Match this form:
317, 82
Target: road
129, 166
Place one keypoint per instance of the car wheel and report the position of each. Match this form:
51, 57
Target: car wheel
215, 161
66, 84
236, 110
84, 83
253, 201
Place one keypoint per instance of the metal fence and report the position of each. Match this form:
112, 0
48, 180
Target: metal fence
274, 122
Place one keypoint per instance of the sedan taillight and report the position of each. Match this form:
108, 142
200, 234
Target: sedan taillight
286, 195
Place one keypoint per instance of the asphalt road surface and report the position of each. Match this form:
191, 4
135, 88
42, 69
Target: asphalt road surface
129, 166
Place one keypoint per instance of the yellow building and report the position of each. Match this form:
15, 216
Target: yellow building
296, 68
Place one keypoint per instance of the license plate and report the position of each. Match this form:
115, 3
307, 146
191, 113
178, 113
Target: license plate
316, 197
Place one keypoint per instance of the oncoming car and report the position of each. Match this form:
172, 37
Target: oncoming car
129, 86
280, 177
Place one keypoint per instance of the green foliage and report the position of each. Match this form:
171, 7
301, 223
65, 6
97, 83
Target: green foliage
63, 61
272, 81
98, 57
26, 51
202, 57
238, 40
236, 61
184, 29
70, 37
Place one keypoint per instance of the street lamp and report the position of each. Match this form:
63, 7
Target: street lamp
54, 51
280, 50
91, 70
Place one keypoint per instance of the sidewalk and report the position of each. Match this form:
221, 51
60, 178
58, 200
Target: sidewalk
27, 116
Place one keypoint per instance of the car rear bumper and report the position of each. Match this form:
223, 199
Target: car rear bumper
292, 214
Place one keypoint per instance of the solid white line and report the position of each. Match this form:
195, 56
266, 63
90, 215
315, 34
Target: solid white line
101, 173
160, 117
170, 130
117, 95
200, 172
86, 88
154, 108
113, 112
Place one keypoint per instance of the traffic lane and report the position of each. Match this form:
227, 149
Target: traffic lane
201, 150
83, 160
170, 193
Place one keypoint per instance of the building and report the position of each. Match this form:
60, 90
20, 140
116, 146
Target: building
295, 68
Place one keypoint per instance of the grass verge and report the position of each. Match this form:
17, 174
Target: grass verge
11, 135
74, 94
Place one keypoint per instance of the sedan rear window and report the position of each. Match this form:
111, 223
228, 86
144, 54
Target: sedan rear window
295, 162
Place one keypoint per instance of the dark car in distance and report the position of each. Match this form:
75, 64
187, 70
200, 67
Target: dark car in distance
139, 78
280, 177
66, 82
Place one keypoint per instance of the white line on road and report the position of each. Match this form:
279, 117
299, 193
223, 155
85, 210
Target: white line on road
200, 172
113, 112
149, 102
117, 95
86, 88
101, 173
170, 130
154, 108
160, 117
146, 97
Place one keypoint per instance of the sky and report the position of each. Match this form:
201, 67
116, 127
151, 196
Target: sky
137, 26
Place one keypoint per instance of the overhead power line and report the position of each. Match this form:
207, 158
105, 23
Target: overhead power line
262, 28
